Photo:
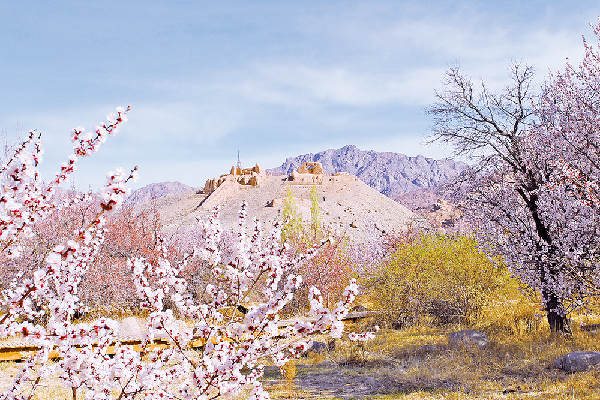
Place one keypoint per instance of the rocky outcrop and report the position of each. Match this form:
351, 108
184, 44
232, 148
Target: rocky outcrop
389, 173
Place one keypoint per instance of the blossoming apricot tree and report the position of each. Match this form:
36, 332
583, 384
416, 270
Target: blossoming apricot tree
233, 346
532, 196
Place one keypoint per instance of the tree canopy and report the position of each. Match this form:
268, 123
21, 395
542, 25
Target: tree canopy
531, 196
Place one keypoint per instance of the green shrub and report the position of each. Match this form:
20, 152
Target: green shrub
293, 226
446, 279
330, 269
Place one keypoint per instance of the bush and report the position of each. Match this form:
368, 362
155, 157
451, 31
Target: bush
326, 269
444, 278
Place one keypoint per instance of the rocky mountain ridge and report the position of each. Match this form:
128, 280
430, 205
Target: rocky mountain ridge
349, 204
392, 174
155, 191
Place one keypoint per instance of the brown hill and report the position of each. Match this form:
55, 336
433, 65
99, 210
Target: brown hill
347, 204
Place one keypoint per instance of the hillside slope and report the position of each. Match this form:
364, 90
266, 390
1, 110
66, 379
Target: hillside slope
350, 207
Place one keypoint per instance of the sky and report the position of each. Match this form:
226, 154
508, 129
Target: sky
272, 79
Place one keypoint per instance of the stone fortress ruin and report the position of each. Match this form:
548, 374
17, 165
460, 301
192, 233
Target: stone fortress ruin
346, 203
243, 176
309, 173
228, 186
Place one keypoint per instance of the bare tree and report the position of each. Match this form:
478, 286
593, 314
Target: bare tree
482, 124
508, 194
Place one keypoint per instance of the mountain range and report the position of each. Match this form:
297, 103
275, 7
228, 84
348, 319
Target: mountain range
349, 205
392, 174
412, 181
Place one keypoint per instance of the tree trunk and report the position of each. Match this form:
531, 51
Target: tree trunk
556, 317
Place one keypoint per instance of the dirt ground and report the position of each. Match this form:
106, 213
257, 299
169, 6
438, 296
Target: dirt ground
328, 380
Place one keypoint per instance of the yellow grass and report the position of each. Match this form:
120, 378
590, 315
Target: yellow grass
517, 365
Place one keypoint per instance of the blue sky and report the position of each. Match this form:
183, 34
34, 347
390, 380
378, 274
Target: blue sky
273, 79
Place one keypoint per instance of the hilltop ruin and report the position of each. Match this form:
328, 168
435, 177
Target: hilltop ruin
243, 176
347, 204
219, 189
309, 173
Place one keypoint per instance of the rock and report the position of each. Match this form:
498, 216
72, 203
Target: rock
578, 361
468, 338
316, 347
359, 308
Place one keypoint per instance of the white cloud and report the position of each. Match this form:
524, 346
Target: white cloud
192, 121
482, 38
316, 87
335, 74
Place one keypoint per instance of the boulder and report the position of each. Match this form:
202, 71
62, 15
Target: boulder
316, 347
578, 361
468, 338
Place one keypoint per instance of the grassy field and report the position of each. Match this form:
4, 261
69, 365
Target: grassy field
428, 283
416, 363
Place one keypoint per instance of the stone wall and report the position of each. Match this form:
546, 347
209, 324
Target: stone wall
314, 168
311, 173
243, 176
